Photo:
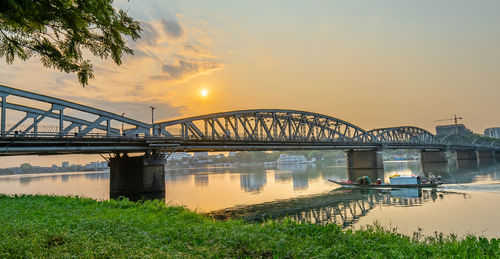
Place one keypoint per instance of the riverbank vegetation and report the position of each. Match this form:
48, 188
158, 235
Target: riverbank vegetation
48, 226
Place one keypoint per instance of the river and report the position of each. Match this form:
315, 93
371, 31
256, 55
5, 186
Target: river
466, 204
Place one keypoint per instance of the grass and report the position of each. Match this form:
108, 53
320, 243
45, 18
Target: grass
48, 226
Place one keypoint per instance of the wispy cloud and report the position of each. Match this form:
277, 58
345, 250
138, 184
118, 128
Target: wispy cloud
185, 69
172, 28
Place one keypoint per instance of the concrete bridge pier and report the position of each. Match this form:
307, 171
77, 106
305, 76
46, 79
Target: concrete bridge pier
434, 168
364, 159
466, 154
365, 162
466, 158
138, 177
433, 161
485, 157
433, 156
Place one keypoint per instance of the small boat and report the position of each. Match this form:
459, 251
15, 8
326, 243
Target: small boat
397, 181
357, 185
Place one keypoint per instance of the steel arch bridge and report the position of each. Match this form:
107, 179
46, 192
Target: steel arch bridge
268, 125
405, 135
46, 125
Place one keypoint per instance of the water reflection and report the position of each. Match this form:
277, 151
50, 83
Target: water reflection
253, 182
201, 180
341, 206
88, 184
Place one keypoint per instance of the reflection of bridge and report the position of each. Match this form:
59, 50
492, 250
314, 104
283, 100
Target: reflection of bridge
342, 207
83, 129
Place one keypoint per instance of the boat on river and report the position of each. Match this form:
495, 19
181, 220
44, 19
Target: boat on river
396, 181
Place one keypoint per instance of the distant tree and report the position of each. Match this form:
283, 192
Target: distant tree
60, 31
26, 166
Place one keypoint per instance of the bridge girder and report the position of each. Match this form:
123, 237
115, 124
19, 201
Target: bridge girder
265, 125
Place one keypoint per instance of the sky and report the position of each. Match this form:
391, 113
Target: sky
372, 63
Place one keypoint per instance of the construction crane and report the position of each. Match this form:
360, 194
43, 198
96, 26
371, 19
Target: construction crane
456, 118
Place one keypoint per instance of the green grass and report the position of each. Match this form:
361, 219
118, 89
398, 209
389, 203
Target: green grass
47, 226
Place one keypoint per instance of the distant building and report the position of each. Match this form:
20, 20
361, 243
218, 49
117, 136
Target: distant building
178, 156
232, 153
65, 164
492, 132
445, 130
200, 154
96, 165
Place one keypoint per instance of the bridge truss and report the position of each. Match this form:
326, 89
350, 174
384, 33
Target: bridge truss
265, 125
46, 125
405, 135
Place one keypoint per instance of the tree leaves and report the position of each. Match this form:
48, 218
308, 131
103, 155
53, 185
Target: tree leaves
60, 31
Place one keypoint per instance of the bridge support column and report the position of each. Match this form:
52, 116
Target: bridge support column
137, 178
463, 154
466, 158
433, 157
485, 157
364, 159
435, 162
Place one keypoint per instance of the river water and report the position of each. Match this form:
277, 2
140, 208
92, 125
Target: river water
467, 204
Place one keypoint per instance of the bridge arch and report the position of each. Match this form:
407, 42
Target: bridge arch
270, 125
404, 134
48, 109
495, 143
479, 141
457, 140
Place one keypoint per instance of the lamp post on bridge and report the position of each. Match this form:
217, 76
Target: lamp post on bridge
153, 120
123, 115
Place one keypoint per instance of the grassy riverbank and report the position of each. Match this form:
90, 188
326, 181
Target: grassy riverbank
44, 226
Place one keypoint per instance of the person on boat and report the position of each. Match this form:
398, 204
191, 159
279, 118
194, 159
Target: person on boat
364, 180
379, 181
432, 178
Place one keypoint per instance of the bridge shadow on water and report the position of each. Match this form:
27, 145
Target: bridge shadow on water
346, 206
342, 206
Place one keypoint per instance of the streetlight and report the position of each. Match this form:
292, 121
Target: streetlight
123, 115
153, 119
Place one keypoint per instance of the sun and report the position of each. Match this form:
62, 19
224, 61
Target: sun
204, 92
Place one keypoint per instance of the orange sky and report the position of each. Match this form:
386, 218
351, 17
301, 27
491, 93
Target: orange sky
382, 64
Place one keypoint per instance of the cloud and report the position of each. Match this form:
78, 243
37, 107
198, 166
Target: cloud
172, 28
185, 69
178, 54
148, 34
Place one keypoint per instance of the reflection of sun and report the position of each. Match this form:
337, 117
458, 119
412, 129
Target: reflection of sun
204, 92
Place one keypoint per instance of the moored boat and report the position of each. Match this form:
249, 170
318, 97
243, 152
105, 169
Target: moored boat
351, 184
396, 181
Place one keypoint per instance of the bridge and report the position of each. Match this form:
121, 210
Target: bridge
44, 125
